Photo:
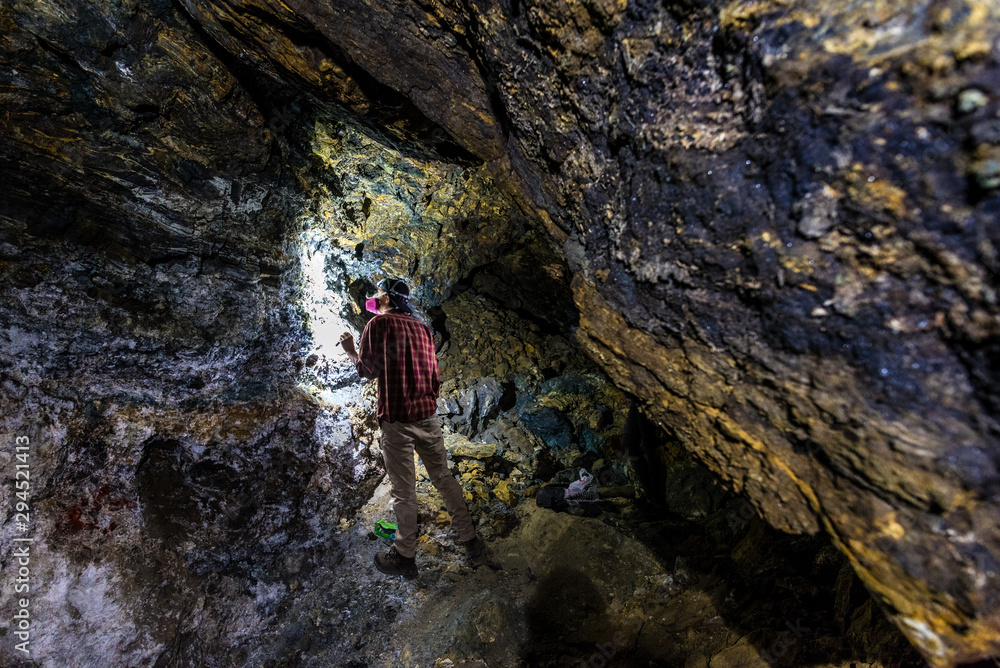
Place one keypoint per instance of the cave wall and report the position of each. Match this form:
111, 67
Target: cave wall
190, 422
390, 208
177, 476
780, 217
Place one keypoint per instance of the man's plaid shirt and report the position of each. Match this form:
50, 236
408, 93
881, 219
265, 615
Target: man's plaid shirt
398, 350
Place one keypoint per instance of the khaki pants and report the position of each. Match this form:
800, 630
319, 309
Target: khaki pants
399, 441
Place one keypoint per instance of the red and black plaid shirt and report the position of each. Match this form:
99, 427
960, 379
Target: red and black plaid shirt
398, 350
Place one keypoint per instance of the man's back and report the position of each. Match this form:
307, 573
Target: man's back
398, 350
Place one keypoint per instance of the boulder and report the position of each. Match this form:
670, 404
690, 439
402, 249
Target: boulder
458, 445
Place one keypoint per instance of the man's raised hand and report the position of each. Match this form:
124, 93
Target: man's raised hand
347, 341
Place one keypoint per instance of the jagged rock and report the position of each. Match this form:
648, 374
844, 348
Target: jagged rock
550, 425
494, 341
459, 446
531, 280
469, 465
470, 404
512, 437
381, 210
503, 492
476, 490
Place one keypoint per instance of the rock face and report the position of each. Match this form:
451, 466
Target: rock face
779, 224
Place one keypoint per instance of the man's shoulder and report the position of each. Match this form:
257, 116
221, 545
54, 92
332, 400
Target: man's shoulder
390, 321
376, 326
386, 318
384, 322
398, 319
408, 321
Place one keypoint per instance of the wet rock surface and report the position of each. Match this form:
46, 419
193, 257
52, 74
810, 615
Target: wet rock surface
774, 224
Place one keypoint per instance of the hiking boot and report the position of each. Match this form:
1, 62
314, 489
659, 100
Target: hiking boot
393, 563
474, 548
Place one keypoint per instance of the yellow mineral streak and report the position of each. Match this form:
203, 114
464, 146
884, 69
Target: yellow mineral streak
684, 380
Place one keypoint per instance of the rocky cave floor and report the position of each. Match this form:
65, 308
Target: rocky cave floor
624, 588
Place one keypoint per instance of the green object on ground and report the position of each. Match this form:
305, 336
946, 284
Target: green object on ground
385, 529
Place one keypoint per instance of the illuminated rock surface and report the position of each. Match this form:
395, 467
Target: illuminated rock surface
774, 224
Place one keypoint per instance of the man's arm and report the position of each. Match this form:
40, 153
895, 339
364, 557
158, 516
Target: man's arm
368, 360
349, 349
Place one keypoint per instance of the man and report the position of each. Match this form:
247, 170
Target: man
398, 350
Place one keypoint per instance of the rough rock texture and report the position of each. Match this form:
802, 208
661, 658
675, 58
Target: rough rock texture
568, 591
389, 209
780, 219
162, 449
